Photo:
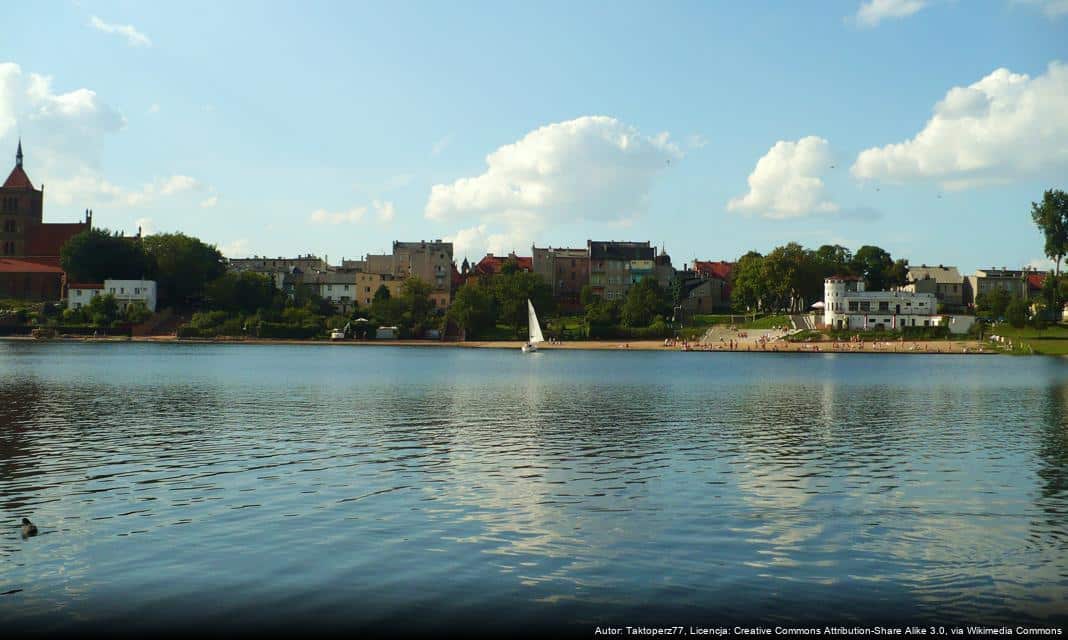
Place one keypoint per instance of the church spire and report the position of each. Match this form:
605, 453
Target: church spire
18, 155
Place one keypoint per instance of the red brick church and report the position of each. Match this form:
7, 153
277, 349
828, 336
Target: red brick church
29, 247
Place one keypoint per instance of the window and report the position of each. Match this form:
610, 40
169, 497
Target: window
852, 305
865, 306
11, 205
10, 226
884, 306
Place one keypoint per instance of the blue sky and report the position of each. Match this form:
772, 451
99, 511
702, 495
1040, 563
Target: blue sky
711, 128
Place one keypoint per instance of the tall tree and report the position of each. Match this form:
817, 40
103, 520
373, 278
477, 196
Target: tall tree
512, 291
184, 266
246, 292
874, 264
749, 285
645, 300
1051, 217
472, 309
95, 255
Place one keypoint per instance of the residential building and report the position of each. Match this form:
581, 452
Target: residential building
125, 292
490, 265
848, 306
946, 283
29, 247
431, 262
984, 281
1035, 281
80, 294
337, 288
719, 273
615, 266
700, 294
566, 270
258, 264
663, 270
368, 283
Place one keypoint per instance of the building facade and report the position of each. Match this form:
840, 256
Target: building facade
615, 266
848, 306
567, 271
368, 283
125, 292
306, 264
946, 283
1012, 281
29, 247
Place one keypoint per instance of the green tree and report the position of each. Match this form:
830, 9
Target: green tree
102, 310
645, 300
874, 264
1051, 217
898, 276
510, 266
244, 292
184, 267
1016, 312
95, 255
381, 293
416, 296
512, 291
136, 312
835, 260
603, 313
472, 309
748, 286
587, 296
992, 303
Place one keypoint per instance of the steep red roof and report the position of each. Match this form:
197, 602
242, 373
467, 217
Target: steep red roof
10, 265
1035, 281
491, 264
18, 180
721, 270
48, 238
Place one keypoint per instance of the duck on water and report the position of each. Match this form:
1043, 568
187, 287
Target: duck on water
29, 529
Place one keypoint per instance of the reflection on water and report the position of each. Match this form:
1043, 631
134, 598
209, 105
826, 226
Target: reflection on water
242, 485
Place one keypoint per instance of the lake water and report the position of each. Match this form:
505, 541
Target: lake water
331, 487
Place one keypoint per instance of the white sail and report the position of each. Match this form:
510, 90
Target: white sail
535, 328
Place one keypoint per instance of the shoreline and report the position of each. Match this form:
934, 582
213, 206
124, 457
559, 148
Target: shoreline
928, 347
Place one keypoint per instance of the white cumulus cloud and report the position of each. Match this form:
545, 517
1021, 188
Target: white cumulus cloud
236, 249
134, 37
593, 167
873, 12
1052, 8
209, 202
788, 181
475, 242
178, 184
384, 211
62, 135
322, 216
1003, 126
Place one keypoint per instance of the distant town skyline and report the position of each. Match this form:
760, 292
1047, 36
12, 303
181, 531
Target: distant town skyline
924, 127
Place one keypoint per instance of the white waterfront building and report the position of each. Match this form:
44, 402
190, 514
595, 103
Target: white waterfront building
125, 292
846, 305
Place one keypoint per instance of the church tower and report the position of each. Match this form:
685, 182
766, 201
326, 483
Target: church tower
21, 207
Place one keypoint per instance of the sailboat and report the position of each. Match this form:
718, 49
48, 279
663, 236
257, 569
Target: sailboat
534, 329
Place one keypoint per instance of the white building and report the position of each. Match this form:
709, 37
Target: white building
846, 305
125, 292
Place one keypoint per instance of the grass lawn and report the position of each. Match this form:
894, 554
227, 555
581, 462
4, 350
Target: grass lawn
767, 322
1051, 341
